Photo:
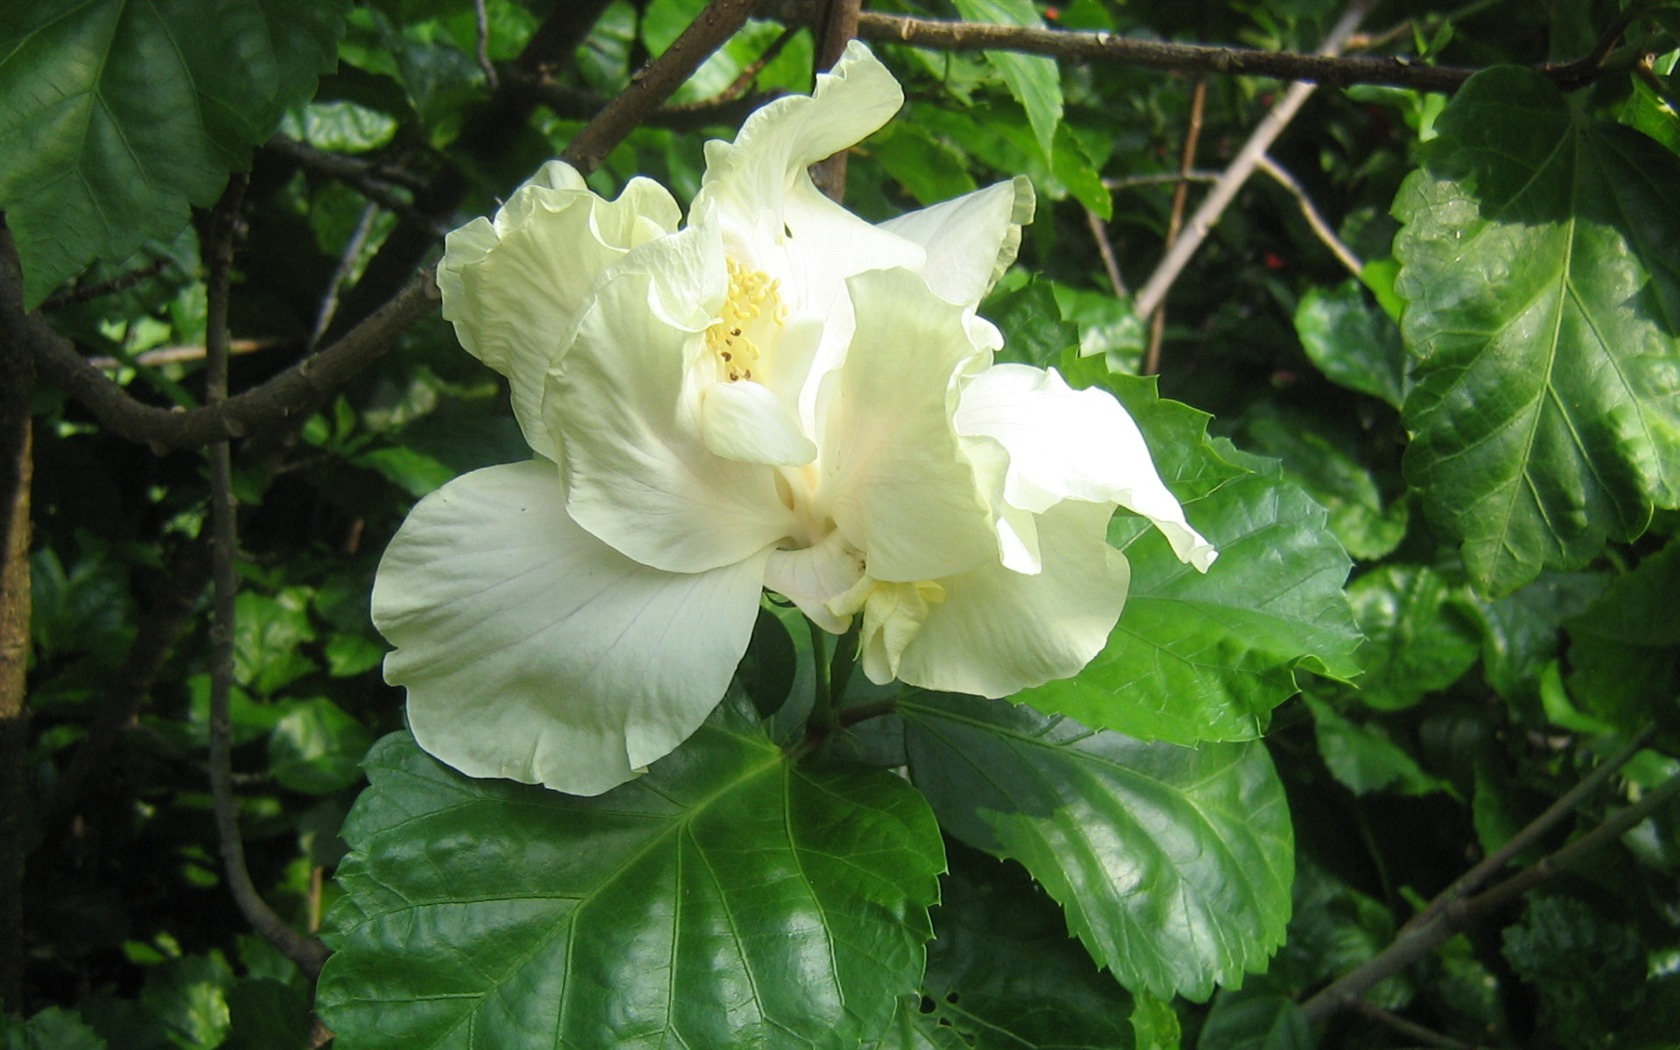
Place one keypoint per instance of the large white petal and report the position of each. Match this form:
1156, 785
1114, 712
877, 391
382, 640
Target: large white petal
513, 287
998, 632
970, 240
638, 472
531, 650
1072, 444
898, 486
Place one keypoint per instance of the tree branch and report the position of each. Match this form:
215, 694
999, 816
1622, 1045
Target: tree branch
1154, 291
308, 953
1192, 58
656, 82
278, 400
839, 25
1450, 914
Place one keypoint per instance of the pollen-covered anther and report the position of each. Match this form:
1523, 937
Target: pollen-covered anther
752, 295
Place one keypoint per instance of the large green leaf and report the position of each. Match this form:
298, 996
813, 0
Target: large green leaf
1543, 287
1625, 648
1034, 80
727, 898
117, 116
1172, 864
1003, 972
1207, 657
1419, 634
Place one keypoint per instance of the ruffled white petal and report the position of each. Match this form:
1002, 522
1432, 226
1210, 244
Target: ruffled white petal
970, 240
638, 473
899, 488
514, 287
531, 650
1072, 444
747, 422
998, 632
812, 577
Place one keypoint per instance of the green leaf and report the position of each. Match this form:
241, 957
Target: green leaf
1543, 310
1520, 631
317, 748
266, 1015
1315, 454
414, 472
1207, 657
51, 1029
1003, 973
1255, 1022
727, 898
1173, 865
1417, 636
1364, 758
190, 995
1352, 341
1625, 649
116, 117
1590, 971
1034, 80
269, 635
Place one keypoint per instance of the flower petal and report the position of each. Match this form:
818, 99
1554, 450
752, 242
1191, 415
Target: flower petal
746, 422
998, 631
513, 287
1072, 444
970, 240
638, 473
531, 650
898, 486
811, 577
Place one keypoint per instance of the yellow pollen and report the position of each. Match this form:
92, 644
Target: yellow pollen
752, 294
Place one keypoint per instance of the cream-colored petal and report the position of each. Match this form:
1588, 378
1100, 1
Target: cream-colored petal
970, 240
998, 632
1072, 444
638, 473
746, 422
898, 485
812, 577
513, 287
531, 650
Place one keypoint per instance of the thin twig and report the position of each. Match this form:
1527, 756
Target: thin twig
1414, 943
346, 263
306, 952
481, 23
1175, 220
1478, 876
1188, 58
1225, 190
16, 467
657, 81
1427, 1036
1105, 249
82, 293
1320, 228
738, 87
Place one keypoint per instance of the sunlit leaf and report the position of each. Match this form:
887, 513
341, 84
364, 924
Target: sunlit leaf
726, 898
1543, 312
1034, 80
1172, 864
1418, 638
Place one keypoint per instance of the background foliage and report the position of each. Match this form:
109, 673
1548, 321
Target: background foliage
1420, 382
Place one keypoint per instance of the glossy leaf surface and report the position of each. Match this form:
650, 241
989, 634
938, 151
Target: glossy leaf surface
1542, 322
725, 898
115, 116
1172, 864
